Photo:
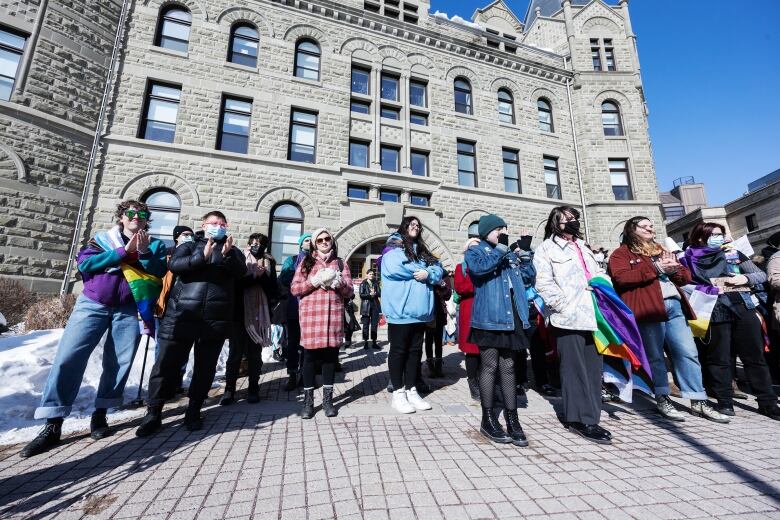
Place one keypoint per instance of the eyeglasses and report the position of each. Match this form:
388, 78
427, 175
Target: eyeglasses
646, 228
131, 213
414, 225
325, 240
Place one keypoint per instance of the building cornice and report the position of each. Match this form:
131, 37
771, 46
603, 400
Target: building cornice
45, 120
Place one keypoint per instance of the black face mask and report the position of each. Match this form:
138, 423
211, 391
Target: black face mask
503, 238
572, 228
257, 251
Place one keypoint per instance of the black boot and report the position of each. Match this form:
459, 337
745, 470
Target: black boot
307, 412
592, 432
192, 419
253, 395
292, 382
228, 398
151, 423
365, 344
474, 388
46, 439
327, 402
98, 426
374, 345
725, 407
492, 429
771, 410
514, 429
431, 369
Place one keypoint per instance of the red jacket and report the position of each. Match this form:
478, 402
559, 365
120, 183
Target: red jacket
635, 279
465, 290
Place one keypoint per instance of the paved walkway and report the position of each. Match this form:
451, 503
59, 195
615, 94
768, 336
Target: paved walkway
262, 461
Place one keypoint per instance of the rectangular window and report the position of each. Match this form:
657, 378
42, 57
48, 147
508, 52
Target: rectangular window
389, 196
389, 87
303, 136
418, 118
467, 163
162, 107
361, 80
390, 158
418, 199
420, 164
609, 55
11, 50
371, 6
595, 53
360, 107
358, 153
233, 135
551, 177
618, 173
391, 112
752, 222
357, 192
511, 171
418, 94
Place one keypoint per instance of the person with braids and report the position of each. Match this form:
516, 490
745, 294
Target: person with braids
409, 273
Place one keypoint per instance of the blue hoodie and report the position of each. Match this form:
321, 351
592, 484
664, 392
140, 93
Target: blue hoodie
404, 299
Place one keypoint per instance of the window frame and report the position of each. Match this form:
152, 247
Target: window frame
148, 98
290, 143
469, 92
158, 209
514, 161
224, 111
395, 78
422, 116
397, 150
510, 103
362, 69
472, 153
618, 128
365, 189
545, 126
162, 19
609, 55
354, 102
395, 193
231, 54
626, 170
469, 230
359, 142
557, 171
425, 196
426, 156
424, 85
390, 109
272, 219
751, 222
16, 51
299, 51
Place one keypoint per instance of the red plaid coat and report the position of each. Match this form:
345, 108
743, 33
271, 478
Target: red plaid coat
321, 311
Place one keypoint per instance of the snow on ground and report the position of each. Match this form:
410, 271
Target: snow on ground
25, 360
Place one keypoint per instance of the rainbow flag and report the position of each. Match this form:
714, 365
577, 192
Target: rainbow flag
702, 299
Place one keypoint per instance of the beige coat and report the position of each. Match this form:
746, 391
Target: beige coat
773, 277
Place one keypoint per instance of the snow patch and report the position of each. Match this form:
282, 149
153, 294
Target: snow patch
457, 19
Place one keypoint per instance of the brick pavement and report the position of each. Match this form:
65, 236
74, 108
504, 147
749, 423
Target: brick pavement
261, 461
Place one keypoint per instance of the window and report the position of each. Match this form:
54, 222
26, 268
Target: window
752, 222
303, 136
361, 80
11, 50
511, 171
463, 101
545, 115
358, 153
506, 107
389, 158
673, 212
418, 199
609, 55
286, 227
391, 112
389, 196
610, 118
595, 53
618, 173
233, 133
357, 192
389, 87
418, 93
474, 229
551, 177
307, 60
165, 207
244, 43
602, 54
467, 164
370, 6
418, 118
173, 28
162, 107
360, 107
420, 164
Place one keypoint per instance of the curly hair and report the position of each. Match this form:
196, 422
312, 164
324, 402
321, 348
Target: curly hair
421, 253
127, 204
635, 244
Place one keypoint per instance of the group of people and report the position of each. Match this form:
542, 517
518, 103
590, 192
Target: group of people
510, 300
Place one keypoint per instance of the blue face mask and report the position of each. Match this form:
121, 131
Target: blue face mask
215, 232
186, 238
715, 241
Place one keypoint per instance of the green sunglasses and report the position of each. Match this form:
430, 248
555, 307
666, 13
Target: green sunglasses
131, 213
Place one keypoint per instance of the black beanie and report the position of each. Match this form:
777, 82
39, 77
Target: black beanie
774, 240
178, 230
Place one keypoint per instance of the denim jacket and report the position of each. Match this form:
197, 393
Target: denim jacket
494, 271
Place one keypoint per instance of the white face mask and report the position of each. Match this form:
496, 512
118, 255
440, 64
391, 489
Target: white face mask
715, 241
185, 238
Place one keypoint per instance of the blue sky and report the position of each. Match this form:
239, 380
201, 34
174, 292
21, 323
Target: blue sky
711, 72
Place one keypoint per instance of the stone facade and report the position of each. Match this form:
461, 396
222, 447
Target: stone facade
551, 58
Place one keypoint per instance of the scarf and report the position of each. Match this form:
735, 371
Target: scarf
704, 263
145, 287
257, 318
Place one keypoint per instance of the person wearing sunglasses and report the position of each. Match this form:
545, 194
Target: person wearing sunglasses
108, 305
322, 282
200, 311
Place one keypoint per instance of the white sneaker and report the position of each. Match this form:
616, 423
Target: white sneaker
415, 400
400, 404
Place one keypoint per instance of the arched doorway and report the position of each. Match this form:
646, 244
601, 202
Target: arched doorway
364, 258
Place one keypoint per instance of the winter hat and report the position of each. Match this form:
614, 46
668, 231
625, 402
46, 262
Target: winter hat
774, 240
178, 230
302, 238
318, 232
488, 223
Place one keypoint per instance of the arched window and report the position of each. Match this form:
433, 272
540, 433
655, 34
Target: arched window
286, 227
244, 43
545, 115
307, 59
463, 100
506, 106
165, 207
610, 118
474, 229
173, 28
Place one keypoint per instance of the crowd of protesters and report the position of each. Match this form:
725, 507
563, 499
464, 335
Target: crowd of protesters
696, 309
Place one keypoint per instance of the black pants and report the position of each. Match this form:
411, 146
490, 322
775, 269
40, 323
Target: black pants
434, 336
370, 324
241, 345
745, 336
312, 357
166, 372
472, 366
293, 346
405, 352
581, 368
538, 359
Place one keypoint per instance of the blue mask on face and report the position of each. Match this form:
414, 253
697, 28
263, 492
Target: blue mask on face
215, 232
715, 241
186, 238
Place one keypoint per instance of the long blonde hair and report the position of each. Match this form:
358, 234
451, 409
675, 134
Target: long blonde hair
635, 244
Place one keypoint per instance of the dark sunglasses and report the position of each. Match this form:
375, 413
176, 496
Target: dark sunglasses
323, 240
131, 213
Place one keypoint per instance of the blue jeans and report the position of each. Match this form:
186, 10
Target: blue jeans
685, 358
85, 328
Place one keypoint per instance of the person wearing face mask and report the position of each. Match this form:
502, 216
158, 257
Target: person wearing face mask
564, 267
293, 324
771, 254
499, 317
734, 324
369, 308
199, 311
322, 282
255, 294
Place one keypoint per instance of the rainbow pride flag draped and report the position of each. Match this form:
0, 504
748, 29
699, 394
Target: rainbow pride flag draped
702, 299
145, 287
618, 339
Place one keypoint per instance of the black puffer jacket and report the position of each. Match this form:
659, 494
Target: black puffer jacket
201, 302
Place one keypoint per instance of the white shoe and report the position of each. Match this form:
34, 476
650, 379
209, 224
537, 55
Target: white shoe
400, 404
415, 400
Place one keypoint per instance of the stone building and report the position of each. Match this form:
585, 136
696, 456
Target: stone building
291, 115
